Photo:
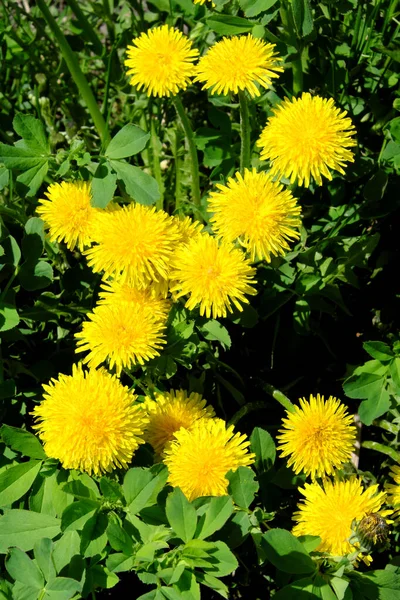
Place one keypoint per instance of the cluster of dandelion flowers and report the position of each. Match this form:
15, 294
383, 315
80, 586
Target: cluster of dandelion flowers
89, 421
199, 458
187, 228
238, 63
306, 138
68, 214
170, 411
134, 244
258, 212
121, 334
318, 437
115, 292
393, 489
329, 512
214, 274
161, 61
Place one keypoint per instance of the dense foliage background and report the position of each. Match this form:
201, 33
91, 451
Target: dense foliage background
306, 330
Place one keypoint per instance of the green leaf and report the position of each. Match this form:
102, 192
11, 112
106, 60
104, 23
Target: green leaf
224, 560
22, 441
263, 446
62, 588
395, 371
213, 330
252, 8
21, 591
33, 177
216, 512
4, 178
309, 542
76, 514
33, 134
142, 486
119, 539
236, 529
9, 317
378, 350
181, 515
214, 583
228, 25
363, 386
23, 569
37, 276
11, 252
286, 553
43, 550
382, 584
16, 481
19, 158
65, 548
242, 486
23, 528
103, 184
128, 141
376, 406
302, 17
139, 185
33, 240
111, 489
93, 536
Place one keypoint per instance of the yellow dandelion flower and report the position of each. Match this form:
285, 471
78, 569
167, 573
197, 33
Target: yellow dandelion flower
68, 214
169, 412
115, 292
305, 138
123, 334
199, 459
393, 489
188, 229
213, 274
258, 212
318, 436
238, 63
161, 61
134, 244
89, 421
329, 512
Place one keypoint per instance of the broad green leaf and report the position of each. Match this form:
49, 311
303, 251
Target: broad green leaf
141, 487
23, 569
181, 515
17, 480
62, 588
214, 583
236, 530
228, 25
286, 553
118, 563
128, 141
22, 441
24, 528
9, 317
79, 490
252, 8
11, 252
363, 386
19, 158
111, 489
4, 178
33, 134
139, 185
33, 240
76, 514
395, 371
119, 539
213, 330
35, 276
263, 446
188, 586
47, 495
382, 584
376, 406
43, 551
103, 184
302, 17
33, 177
309, 542
217, 512
93, 536
65, 548
225, 560
21, 591
378, 350
242, 486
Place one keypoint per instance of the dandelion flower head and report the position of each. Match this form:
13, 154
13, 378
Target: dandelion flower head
329, 512
215, 275
318, 436
124, 335
134, 244
238, 63
115, 292
199, 458
393, 489
170, 411
68, 214
258, 212
306, 138
89, 421
161, 61
188, 229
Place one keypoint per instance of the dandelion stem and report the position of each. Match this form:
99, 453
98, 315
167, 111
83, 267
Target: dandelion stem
154, 142
87, 28
194, 163
279, 396
244, 132
76, 73
245, 410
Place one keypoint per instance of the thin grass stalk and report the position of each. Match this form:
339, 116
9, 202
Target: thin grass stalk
244, 132
86, 26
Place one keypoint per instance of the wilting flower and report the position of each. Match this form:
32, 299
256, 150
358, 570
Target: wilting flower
393, 489
329, 512
123, 334
305, 138
134, 245
238, 63
199, 459
318, 436
115, 292
89, 421
169, 412
213, 274
258, 212
68, 214
161, 61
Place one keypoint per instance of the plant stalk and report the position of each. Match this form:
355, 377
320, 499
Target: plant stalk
194, 163
154, 143
76, 73
244, 132
87, 28
279, 396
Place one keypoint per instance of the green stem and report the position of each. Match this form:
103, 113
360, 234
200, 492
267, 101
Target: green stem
178, 168
154, 143
279, 396
297, 71
76, 73
245, 410
382, 449
292, 39
87, 28
194, 163
244, 132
